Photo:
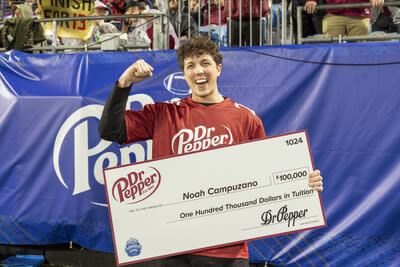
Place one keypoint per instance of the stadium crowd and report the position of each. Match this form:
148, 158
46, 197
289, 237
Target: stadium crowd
194, 17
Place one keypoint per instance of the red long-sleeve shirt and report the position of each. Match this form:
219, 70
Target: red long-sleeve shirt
187, 126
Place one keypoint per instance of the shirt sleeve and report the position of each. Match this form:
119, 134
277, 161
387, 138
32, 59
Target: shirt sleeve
258, 129
112, 122
140, 124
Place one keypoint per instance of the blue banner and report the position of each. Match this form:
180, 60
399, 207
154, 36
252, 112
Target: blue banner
346, 96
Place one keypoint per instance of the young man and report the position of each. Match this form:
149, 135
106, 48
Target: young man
201, 63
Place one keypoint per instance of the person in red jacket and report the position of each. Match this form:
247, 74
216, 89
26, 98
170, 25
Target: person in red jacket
201, 63
345, 21
214, 11
247, 20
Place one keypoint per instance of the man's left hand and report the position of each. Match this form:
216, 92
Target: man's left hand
315, 181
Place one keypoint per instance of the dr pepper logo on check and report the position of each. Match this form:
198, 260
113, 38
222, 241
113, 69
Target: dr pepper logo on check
136, 186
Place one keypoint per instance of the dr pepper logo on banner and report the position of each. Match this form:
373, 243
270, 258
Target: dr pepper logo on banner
79, 155
136, 186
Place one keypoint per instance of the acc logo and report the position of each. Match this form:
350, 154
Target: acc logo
133, 247
136, 186
176, 84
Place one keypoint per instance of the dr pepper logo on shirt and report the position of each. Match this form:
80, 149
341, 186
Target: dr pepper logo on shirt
201, 138
136, 186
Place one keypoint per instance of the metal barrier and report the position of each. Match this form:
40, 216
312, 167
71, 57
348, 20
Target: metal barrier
160, 33
340, 39
267, 28
161, 24
161, 28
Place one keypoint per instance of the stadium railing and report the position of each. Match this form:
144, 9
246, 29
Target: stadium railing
160, 29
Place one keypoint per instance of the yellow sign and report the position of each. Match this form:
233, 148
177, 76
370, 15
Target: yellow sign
80, 29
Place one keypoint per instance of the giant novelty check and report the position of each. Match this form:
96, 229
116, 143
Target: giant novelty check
212, 198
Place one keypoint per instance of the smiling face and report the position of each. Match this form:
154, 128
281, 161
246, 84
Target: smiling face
201, 73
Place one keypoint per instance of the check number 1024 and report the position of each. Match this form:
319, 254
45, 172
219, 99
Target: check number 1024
294, 141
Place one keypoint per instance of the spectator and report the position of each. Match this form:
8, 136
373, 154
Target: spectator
180, 20
100, 27
101, 9
215, 11
140, 29
135, 27
22, 11
345, 21
147, 4
20, 31
173, 38
195, 7
246, 21
386, 19
311, 23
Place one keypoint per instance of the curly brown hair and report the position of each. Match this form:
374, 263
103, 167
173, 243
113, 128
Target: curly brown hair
196, 46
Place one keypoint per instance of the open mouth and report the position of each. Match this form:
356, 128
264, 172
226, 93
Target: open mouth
201, 81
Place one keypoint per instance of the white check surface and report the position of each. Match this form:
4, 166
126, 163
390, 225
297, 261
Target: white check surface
194, 201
